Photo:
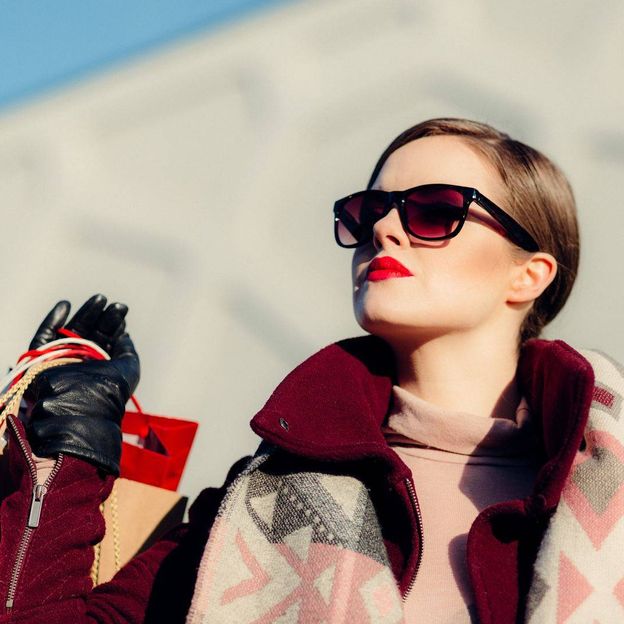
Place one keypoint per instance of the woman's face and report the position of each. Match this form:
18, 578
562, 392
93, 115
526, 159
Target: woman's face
457, 285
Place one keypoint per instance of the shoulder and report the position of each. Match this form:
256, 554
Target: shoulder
203, 511
608, 376
602, 363
606, 412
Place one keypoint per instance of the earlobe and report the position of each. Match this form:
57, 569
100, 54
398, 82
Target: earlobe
532, 277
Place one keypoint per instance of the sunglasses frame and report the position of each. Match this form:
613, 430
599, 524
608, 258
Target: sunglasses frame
515, 232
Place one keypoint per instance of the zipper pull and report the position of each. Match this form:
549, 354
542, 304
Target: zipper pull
35, 506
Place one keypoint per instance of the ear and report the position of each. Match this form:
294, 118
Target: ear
531, 277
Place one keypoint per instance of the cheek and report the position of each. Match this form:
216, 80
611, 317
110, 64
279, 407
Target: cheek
468, 269
474, 271
361, 257
456, 286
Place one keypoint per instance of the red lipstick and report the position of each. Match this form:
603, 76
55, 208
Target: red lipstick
385, 268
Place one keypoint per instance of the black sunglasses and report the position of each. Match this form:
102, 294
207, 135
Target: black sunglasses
428, 212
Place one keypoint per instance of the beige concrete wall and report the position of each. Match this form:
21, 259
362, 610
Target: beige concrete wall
196, 184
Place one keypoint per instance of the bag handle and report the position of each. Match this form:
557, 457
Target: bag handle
11, 399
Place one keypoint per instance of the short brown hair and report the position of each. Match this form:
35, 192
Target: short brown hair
538, 196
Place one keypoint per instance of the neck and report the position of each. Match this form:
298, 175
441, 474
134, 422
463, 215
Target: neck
461, 372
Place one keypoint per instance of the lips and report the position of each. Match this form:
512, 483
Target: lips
386, 268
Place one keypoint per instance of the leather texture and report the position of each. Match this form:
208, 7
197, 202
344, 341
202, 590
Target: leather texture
93, 321
77, 408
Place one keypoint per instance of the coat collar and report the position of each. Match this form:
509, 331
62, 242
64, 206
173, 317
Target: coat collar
332, 406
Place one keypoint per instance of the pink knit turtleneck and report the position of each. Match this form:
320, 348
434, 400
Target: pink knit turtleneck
460, 463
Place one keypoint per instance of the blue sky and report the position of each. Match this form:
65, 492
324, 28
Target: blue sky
47, 43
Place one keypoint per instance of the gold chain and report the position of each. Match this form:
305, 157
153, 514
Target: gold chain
97, 549
115, 522
12, 397
114, 507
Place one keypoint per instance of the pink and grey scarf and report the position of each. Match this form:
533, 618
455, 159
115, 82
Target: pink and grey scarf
306, 547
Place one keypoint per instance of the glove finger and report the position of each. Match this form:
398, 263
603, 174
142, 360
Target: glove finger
54, 320
112, 319
85, 320
118, 332
126, 361
110, 326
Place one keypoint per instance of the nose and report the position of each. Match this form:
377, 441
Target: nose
389, 232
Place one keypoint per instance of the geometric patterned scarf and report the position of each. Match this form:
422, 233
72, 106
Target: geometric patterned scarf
300, 547
579, 571
306, 547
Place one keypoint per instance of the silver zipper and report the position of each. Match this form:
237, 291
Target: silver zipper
34, 514
414, 499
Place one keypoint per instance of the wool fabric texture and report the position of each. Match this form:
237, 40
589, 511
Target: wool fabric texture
579, 571
269, 525
325, 417
322, 527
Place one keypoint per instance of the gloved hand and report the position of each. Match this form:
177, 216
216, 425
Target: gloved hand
93, 321
78, 407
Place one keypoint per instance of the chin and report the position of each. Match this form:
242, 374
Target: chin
387, 325
372, 313
393, 324
384, 309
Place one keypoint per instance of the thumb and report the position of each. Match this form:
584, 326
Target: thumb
54, 320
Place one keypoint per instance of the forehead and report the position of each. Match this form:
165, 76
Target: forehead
439, 159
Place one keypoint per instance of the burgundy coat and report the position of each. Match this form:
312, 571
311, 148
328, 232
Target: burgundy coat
329, 409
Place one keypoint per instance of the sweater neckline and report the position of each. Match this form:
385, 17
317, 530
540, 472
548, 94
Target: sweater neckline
414, 422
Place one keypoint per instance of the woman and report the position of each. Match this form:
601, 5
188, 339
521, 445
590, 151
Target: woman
443, 469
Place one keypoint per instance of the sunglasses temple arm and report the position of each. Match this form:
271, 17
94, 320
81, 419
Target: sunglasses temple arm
516, 232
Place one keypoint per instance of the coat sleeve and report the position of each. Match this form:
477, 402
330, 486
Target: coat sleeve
45, 570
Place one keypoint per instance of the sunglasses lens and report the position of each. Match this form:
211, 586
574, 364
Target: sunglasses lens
434, 212
357, 217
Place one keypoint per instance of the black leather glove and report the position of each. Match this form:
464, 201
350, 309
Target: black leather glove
78, 407
93, 321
